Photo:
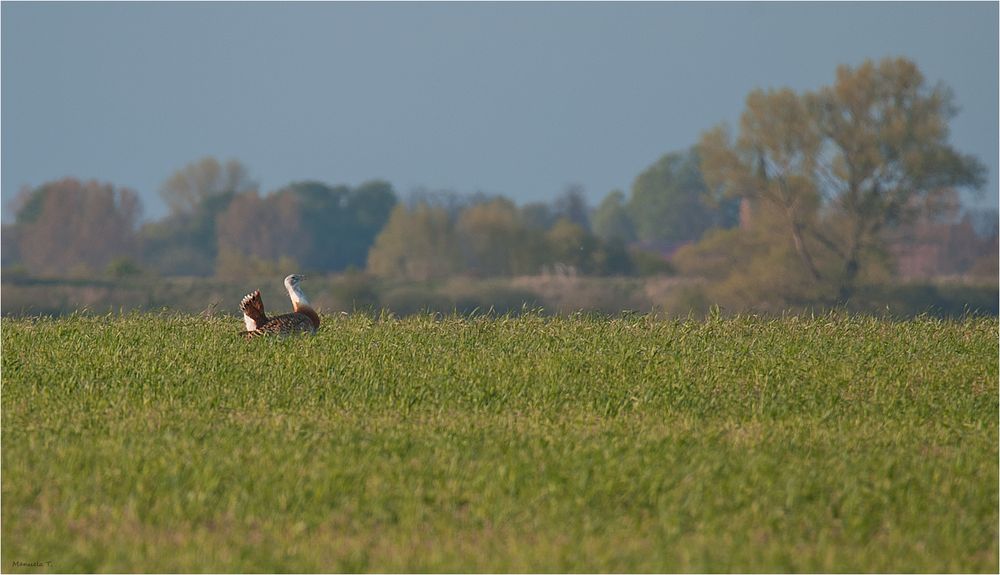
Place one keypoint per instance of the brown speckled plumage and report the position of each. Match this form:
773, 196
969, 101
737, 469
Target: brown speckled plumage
287, 324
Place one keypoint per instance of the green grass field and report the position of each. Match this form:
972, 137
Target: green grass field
165, 443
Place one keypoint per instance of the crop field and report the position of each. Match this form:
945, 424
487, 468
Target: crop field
165, 443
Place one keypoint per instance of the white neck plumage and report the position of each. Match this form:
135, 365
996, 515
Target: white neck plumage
298, 298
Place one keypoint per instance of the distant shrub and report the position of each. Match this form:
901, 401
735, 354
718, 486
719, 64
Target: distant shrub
354, 291
648, 263
412, 299
123, 267
945, 300
497, 296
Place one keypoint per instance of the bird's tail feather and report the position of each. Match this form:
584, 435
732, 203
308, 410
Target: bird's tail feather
253, 307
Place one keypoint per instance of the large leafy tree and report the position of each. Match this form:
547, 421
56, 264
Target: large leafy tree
69, 226
886, 158
570, 245
571, 205
260, 235
310, 224
495, 241
200, 180
830, 171
611, 220
340, 222
369, 206
185, 242
772, 164
670, 201
416, 244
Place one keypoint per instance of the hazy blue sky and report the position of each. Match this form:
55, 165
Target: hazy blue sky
514, 98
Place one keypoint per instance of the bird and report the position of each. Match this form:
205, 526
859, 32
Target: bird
303, 318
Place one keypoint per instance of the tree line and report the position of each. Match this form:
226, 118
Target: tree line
220, 225
808, 199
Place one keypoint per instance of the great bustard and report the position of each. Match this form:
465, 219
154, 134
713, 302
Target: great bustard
303, 318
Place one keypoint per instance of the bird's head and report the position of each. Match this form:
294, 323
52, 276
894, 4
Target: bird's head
292, 281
